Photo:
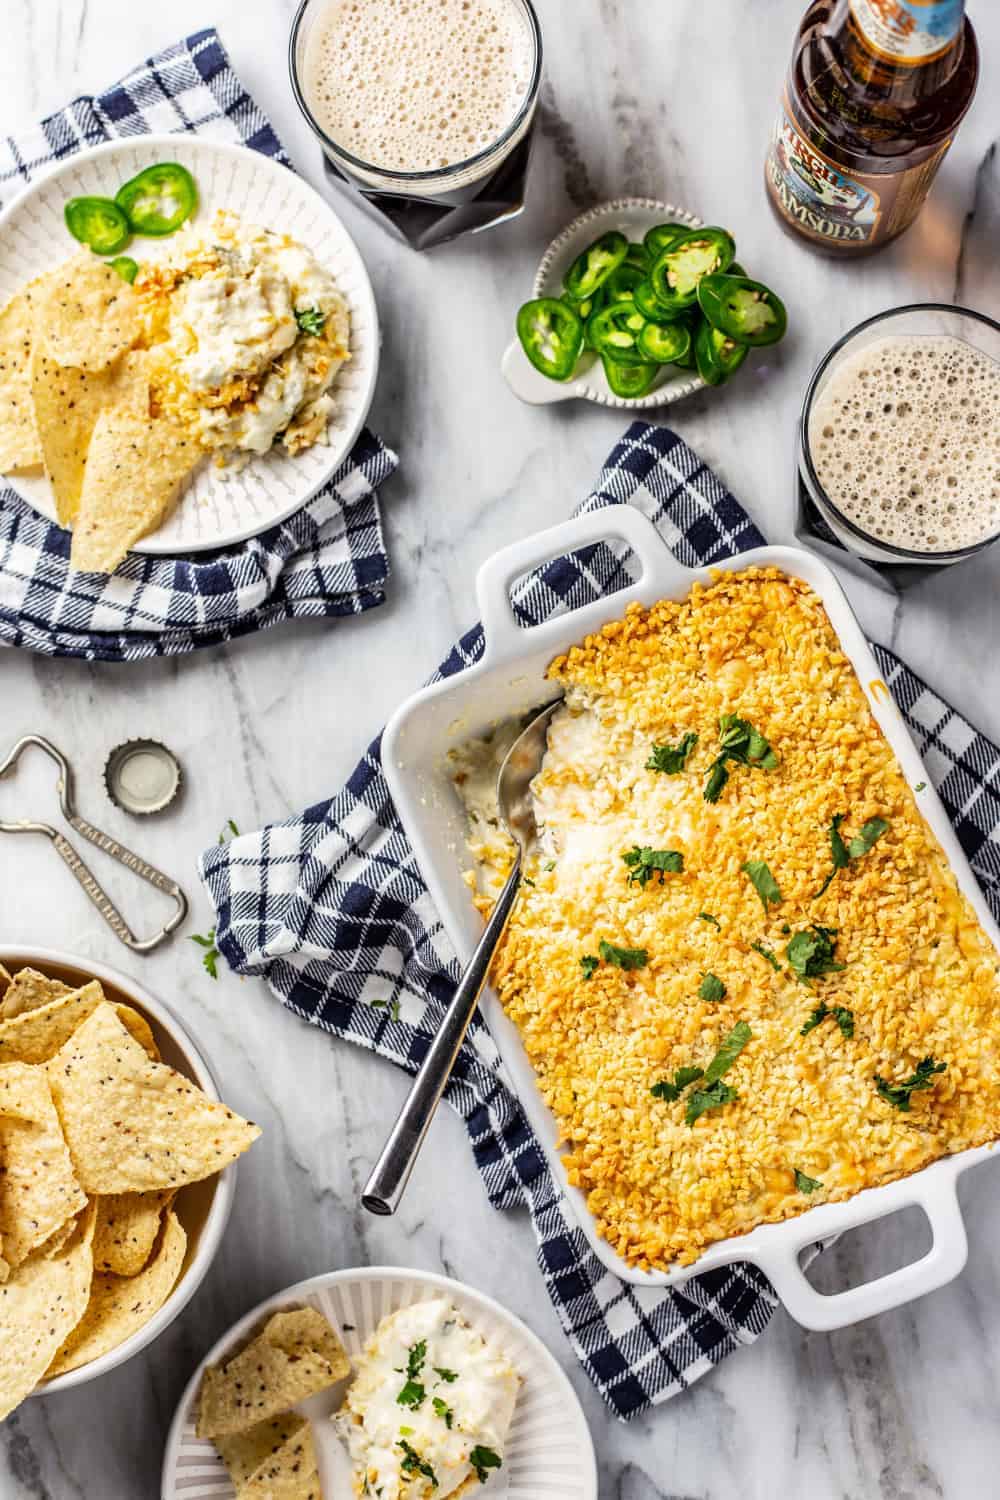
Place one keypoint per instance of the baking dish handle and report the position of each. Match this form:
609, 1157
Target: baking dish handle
505, 637
938, 1198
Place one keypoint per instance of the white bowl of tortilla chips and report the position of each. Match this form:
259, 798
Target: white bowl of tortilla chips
127, 462
101, 1250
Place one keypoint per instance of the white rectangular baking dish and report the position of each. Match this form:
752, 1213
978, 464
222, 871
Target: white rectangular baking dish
510, 679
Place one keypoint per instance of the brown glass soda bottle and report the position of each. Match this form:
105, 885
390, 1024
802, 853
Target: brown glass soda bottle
874, 95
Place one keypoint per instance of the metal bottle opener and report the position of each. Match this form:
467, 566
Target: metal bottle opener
103, 841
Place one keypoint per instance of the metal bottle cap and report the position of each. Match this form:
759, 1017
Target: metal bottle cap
142, 776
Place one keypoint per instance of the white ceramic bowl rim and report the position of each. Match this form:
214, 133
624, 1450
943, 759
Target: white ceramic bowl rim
214, 1226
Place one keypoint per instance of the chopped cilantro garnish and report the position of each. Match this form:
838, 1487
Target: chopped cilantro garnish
444, 1411
234, 832
810, 953
645, 863
921, 786
762, 881
448, 1376
412, 1463
806, 1184
311, 320
682, 1078
589, 963
711, 988
413, 1391
870, 834
706, 916
482, 1459
729, 1050
843, 1017
738, 741
862, 843
670, 758
210, 956
766, 954
392, 1006
922, 1077
623, 958
713, 1097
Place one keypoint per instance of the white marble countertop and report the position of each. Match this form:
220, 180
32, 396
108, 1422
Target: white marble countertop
673, 100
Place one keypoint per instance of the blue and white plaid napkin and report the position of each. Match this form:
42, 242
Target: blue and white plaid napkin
331, 909
328, 559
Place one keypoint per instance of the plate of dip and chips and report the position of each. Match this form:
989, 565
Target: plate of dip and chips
208, 388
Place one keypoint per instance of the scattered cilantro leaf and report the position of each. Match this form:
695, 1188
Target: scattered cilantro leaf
921, 786
589, 963
766, 953
922, 1077
550, 864
412, 1394
806, 1184
210, 957
623, 958
729, 1050
717, 778
670, 758
714, 1097
413, 1391
682, 1079
482, 1459
856, 848
448, 1376
412, 1463
762, 881
810, 953
311, 320
444, 1411
863, 842
738, 741
711, 988
234, 832
646, 862
706, 916
392, 1006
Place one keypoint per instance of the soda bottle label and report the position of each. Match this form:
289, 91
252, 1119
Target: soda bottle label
829, 205
908, 31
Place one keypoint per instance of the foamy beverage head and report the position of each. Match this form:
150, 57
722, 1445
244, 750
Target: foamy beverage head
905, 440
418, 85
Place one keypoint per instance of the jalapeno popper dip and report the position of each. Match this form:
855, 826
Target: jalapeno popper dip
122, 379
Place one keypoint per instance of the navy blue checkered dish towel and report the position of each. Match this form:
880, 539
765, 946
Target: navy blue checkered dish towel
327, 559
331, 908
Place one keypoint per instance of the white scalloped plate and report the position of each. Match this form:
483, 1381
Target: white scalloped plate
548, 1456
213, 511
634, 217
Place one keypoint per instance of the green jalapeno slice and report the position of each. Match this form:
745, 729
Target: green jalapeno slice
744, 310
650, 305
716, 355
676, 272
586, 309
127, 268
158, 199
662, 236
592, 268
614, 332
664, 343
551, 335
637, 255
621, 284
97, 222
629, 380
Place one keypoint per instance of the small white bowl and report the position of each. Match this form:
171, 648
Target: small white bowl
634, 217
202, 1207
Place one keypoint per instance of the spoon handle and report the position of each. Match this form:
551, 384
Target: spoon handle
387, 1183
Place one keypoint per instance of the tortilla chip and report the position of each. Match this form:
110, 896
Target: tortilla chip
273, 1461
40, 1303
6, 980
58, 1238
67, 404
4, 1270
134, 472
20, 446
89, 315
36, 1035
38, 1188
119, 1305
127, 1226
294, 1355
132, 1124
29, 989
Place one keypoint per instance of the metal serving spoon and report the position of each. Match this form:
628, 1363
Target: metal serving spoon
387, 1183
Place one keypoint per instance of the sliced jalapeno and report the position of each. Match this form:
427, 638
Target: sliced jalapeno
158, 199
676, 272
621, 284
592, 268
97, 222
614, 332
127, 268
716, 355
744, 310
637, 255
629, 380
664, 343
650, 305
551, 336
586, 309
662, 236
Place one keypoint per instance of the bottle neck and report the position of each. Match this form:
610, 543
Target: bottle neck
906, 33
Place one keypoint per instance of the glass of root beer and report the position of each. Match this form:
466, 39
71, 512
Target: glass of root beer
423, 107
899, 440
